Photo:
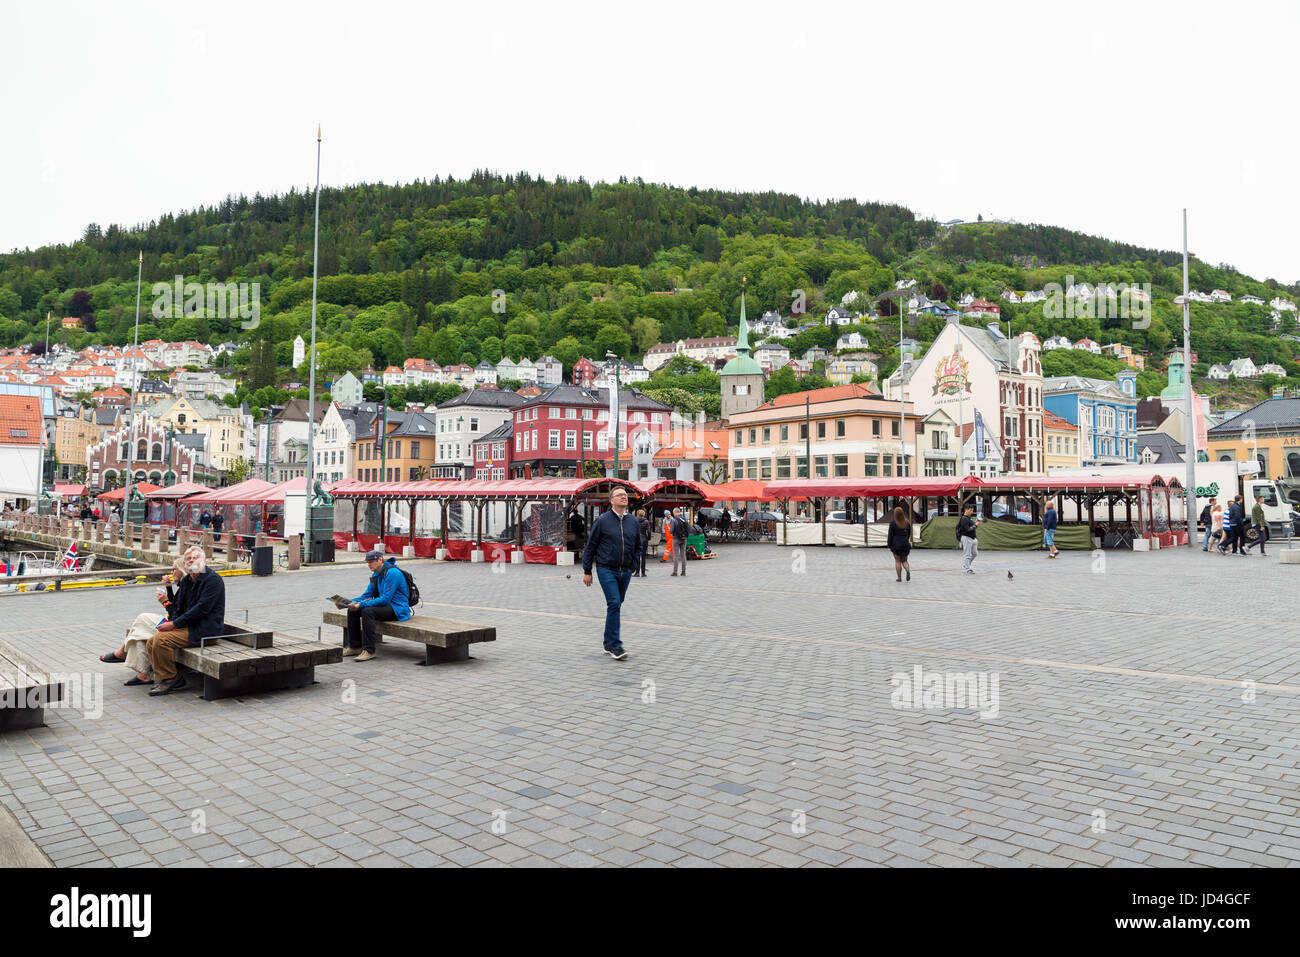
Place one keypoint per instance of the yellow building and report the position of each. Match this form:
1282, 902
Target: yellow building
73, 435
1269, 432
1061, 442
221, 424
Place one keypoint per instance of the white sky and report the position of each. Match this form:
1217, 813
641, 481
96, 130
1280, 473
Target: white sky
1102, 117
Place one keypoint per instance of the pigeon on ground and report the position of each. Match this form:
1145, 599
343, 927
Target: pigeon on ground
1009, 575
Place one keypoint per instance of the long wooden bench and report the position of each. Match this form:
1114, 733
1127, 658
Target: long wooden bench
246, 660
444, 640
25, 689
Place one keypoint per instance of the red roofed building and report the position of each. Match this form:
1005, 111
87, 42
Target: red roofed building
22, 446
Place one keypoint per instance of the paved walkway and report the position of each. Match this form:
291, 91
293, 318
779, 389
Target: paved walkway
754, 723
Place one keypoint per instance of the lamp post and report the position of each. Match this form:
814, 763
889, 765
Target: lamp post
902, 390
311, 379
1189, 476
614, 398
130, 414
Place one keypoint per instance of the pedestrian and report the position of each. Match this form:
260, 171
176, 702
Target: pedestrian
386, 598
1261, 525
578, 528
200, 613
218, 523
1216, 525
1049, 530
643, 527
613, 545
680, 534
1241, 526
900, 543
966, 530
726, 521
205, 519
1207, 520
1229, 531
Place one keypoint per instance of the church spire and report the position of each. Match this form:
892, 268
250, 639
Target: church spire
742, 341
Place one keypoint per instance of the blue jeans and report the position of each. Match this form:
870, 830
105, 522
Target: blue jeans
614, 585
1209, 530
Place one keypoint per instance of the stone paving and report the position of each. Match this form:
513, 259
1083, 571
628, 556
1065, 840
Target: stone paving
754, 723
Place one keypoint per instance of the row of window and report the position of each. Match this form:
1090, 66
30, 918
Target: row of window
821, 428
528, 441
1063, 444
367, 451
390, 474
494, 474
824, 466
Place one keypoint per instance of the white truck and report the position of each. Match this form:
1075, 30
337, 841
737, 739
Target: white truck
1222, 480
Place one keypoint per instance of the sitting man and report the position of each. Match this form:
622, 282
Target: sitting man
385, 599
200, 613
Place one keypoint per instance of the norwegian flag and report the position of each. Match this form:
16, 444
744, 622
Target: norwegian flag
70, 557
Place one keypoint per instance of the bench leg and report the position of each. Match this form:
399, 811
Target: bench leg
214, 688
434, 655
18, 719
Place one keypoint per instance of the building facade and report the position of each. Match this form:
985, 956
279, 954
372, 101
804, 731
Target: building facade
568, 425
1104, 411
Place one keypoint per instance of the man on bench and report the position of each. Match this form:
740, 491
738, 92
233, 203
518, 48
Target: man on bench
200, 613
385, 599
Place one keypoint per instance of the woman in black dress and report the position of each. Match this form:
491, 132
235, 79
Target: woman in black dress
900, 543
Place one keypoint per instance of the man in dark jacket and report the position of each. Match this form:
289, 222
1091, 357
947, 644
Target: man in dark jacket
680, 533
643, 525
614, 545
200, 613
1049, 530
1207, 522
1234, 528
970, 549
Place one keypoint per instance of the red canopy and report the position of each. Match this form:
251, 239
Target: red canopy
909, 487
69, 491
532, 489
250, 491
741, 490
118, 493
179, 490
1063, 483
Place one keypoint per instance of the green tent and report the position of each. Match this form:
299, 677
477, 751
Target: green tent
941, 532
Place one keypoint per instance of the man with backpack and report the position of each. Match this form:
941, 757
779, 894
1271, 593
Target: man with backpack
1207, 520
388, 597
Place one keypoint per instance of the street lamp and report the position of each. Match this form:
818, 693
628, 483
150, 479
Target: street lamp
614, 398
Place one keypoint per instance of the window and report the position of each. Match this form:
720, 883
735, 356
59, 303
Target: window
839, 430
875, 428
571, 440
570, 413
602, 441
893, 427
765, 469
415, 450
939, 439
554, 436
904, 467
586, 441
872, 465
753, 436
751, 468
803, 431
473, 423
519, 443
785, 433
415, 473
398, 453
819, 466
841, 466
783, 468
588, 414
737, 468
767, 434
740, 436
821, 430
887, 465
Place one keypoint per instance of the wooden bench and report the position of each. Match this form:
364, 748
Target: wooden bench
25, 689
443, 640
247, 660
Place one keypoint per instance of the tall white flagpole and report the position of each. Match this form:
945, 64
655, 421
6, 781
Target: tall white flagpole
311, 381
1189, 491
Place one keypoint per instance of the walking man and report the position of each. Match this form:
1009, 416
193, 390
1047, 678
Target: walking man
614, 545
680, 531
1207, 519
1049, 530
643, 526
970, 547
1261, 525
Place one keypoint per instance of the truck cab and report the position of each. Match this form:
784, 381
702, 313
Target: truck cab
1282, 517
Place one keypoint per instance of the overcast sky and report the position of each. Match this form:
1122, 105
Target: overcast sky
1104, 117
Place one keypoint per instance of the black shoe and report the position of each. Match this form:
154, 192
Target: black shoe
168, 686
909, 573
135, 680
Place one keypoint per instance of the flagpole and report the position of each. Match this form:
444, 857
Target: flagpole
311, 380
130, 414
1189, 491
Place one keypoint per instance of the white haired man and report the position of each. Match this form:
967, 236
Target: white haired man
200, 614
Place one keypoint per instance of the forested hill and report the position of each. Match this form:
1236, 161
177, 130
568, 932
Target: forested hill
415, 270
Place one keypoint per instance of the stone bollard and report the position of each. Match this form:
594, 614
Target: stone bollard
146, 538
295, 552
232, 549
182, 540
260, 540
206, 542
112, 534
99, 532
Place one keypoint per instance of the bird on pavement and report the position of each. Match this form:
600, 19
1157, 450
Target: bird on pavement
1009, 575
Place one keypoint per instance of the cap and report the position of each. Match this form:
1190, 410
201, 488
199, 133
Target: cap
373, 554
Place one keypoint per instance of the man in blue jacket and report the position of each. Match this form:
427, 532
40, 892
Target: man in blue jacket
1049, 530
385, 599
200, 613
614, 544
